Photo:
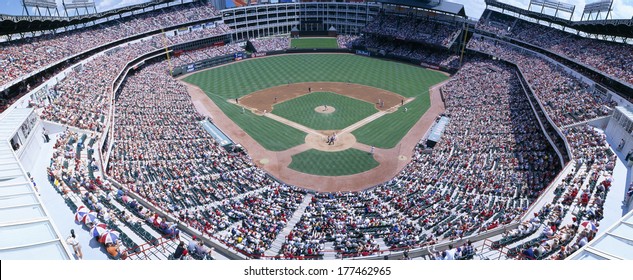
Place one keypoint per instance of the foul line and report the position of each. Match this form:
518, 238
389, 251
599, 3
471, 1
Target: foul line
373, 117
292, 124
348, 129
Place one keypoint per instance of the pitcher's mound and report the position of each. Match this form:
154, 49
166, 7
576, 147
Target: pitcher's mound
324, 109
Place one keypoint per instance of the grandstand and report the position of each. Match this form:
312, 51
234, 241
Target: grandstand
529, 158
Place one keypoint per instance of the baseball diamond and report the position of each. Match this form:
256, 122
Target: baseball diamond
301, 109
274, 116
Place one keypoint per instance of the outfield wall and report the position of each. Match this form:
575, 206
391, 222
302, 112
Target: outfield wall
217, 61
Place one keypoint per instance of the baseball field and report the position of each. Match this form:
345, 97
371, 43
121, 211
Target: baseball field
314, 43
291, 105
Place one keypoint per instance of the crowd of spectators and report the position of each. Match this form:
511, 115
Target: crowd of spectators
205, 53
566, 99
484, 172
498, 24
411, 50
409, 28
464, 252
578, 202
21, 57
154, 115
345, 41
484, 162
352, 222
271, 44
75, 175
72, 173
261, 216
198, 33
82, 98
164, 155
613, 59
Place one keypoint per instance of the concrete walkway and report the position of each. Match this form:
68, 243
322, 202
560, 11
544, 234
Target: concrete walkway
275, 247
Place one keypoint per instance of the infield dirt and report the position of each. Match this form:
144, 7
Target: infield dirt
264, 100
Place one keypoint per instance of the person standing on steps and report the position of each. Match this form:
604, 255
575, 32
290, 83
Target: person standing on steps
191, 247
46, 138
72, 241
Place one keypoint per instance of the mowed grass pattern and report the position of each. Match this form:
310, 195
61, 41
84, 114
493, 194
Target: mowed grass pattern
347, 162
347, 110
314, 43
387, 131
271, 134
239, 79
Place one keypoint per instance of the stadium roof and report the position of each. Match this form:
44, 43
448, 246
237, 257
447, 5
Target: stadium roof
435, 5
615, 244
613, 27
21, 24
27, 231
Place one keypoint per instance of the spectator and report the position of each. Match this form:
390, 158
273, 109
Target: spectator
450, 253
72, 241
114, 250
181, 252
201, 251
191, 247
468, 251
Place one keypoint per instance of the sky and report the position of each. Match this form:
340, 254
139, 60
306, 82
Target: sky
622, 9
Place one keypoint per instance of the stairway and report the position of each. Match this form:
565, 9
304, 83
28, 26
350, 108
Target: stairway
329, 253
281, 237
382, 244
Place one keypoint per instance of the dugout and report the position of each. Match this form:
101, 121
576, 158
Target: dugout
436, 131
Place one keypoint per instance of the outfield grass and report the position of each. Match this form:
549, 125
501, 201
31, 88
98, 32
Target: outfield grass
260, 127
347, 110
239, 79
314, 43
347, 162
387, 131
